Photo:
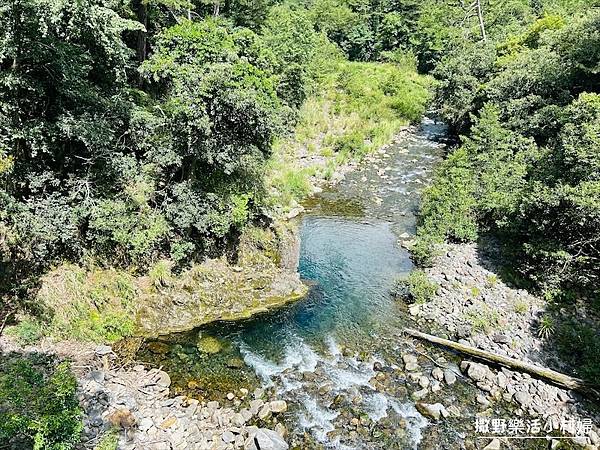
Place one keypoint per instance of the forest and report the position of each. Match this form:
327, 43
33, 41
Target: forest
142, 134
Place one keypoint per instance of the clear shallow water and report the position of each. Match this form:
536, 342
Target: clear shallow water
323, 348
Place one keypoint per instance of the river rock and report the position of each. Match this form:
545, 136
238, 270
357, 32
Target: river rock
258, 393
433, 411
449, 377
280, 429
522, 398
477, 372
500, 338
278, 406
264, 412
145, 424
228, 437
493, 445
235, 363
209, 345
255, 406
501, 380
103, 350
265, 439
482, 400
97, 375
164, 380
437, 374
410, 362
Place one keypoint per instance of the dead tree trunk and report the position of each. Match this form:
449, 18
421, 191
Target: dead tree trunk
522, 366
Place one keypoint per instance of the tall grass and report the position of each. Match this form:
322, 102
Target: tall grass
357, 108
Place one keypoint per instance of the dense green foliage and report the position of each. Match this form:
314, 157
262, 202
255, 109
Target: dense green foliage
38, 404
528, 166
132, 132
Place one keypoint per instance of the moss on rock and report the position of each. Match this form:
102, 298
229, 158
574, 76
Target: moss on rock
217, 290
209, 345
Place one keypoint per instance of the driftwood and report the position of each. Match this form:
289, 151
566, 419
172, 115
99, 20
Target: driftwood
541, 372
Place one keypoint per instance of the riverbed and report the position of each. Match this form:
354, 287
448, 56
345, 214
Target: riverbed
324, 354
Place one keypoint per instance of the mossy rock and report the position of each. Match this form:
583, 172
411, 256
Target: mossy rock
209, 345
158, 348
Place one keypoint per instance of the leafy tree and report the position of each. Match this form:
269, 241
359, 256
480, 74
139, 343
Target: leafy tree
38, 404
298, 51
528, 106
210, 129
63, 110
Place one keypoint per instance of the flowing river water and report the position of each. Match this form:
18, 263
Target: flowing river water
319, 354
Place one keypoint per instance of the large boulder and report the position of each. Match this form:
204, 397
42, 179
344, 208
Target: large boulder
477, 372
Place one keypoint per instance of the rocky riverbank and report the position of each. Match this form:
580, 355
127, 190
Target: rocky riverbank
474, 306
130, 408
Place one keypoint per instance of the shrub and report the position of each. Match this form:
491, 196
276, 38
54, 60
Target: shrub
109, 441
38, 404
417, 287
482, 317
28, 331
579, 344
448, 208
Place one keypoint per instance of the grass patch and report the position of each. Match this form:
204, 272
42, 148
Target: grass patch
109, 441
447, 208
357, 108
482, 318
87, 304
521, 306
28, 331
491, 280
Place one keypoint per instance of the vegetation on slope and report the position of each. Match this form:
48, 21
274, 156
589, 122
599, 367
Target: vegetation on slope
528, 166
116, 162
357, 107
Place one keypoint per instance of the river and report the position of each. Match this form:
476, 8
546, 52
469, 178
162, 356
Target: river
319, 354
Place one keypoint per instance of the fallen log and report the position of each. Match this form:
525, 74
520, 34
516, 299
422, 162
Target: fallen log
541, 372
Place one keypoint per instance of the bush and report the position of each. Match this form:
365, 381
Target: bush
448, 208
579, 344
417, 287
28, 331
109, 441
38, 404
